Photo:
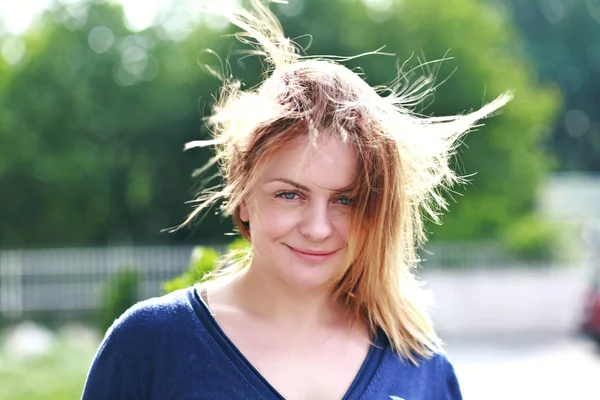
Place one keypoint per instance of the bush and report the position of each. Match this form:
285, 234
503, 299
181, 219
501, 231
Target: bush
120, 293
202, 262
533, 239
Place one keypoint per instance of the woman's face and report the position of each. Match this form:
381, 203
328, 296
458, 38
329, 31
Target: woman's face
298, 213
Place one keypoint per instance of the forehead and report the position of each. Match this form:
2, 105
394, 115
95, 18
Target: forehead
328, 163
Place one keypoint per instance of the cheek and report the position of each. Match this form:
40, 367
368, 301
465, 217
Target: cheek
270, 220
343, 225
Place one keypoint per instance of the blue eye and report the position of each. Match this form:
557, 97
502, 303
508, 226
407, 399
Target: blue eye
345, 201
287, 195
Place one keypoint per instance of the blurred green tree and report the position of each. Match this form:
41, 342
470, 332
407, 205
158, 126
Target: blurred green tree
93, 121
93, 117
563, 41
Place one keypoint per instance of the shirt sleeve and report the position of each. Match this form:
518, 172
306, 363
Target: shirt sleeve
107, 378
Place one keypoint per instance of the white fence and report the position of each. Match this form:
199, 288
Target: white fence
486, 295
75, 279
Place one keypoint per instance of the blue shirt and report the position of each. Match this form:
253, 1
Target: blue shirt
171, 348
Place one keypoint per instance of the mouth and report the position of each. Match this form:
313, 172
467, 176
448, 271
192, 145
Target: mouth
312, 255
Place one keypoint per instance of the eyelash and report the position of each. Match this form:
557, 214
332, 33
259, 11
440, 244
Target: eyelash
282, 195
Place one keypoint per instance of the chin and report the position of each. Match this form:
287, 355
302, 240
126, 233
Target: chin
309, 276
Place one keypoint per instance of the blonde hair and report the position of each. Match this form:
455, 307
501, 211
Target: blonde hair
404, 167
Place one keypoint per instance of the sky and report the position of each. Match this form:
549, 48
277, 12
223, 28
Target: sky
16, 16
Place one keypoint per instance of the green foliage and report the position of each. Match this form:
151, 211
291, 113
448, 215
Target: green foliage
91, 142
90, 153
120, 293
202, 262
532, 239
562, 38
505, 157
238, 247
58, 375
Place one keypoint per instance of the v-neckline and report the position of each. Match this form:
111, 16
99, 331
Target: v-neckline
261, 384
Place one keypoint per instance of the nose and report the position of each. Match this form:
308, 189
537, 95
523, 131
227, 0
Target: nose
316, 224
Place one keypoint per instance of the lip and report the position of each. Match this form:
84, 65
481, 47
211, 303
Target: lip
312, 255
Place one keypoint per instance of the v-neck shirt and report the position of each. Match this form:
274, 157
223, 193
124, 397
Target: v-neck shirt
354, 392
172, 348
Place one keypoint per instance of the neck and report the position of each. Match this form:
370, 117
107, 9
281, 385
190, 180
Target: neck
267, 297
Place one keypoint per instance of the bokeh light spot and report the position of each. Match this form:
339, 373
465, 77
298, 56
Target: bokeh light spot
101, 39
577, 123
13, 50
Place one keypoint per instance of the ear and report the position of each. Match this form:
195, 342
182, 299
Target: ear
244, 216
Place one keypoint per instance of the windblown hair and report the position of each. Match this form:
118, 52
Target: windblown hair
403, 168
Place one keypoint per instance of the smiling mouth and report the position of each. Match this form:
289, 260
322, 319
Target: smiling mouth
313, 252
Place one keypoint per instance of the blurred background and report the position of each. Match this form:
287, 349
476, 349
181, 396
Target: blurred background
98, 98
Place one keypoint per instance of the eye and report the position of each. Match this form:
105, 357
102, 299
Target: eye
345, 201
287, 195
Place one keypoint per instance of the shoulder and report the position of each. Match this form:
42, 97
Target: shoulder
440, 373
137, 347
431, 377
155, 315
443, 367
438, 362
141, 338
431, 366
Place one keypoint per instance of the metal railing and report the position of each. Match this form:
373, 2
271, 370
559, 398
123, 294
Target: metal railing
75, 280
65, 280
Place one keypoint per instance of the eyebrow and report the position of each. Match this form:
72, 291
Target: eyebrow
290, 182
306, 189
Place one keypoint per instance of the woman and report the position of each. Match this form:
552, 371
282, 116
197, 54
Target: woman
327, 180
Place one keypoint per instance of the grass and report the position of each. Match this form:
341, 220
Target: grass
58, 375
